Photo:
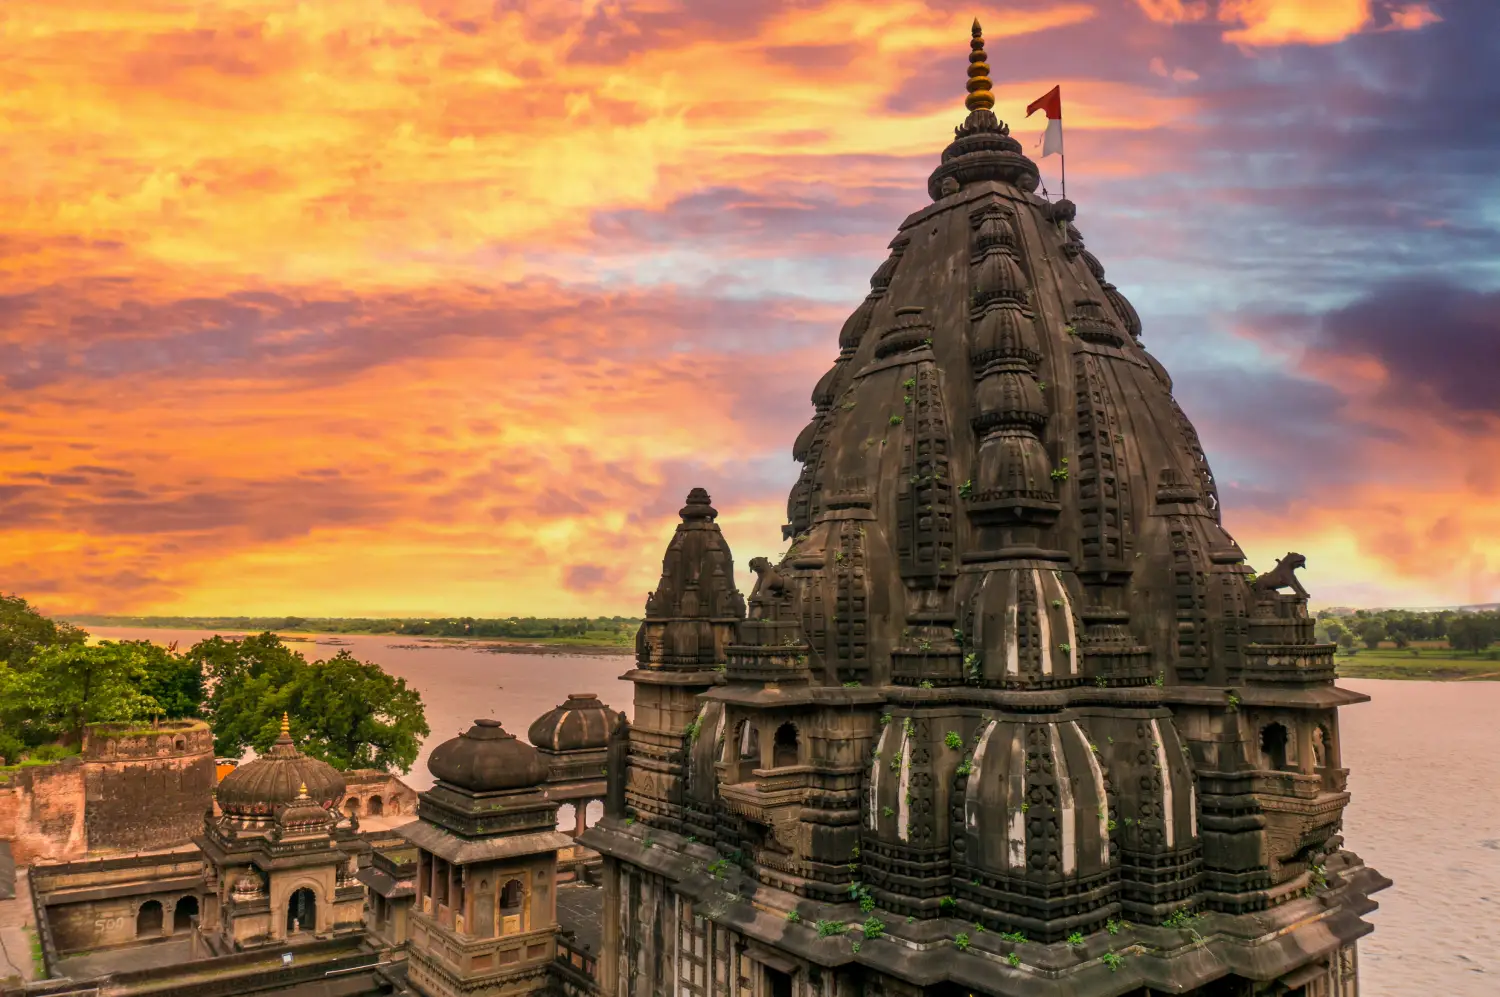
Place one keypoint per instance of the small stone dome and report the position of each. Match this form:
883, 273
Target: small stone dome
258, 788
581, 722
304, 813
486, 759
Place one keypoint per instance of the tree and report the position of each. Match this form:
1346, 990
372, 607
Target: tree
174, 680
348, 713
64, 687
23, 630
1471, 631
245, 677
355, 715
1372, 632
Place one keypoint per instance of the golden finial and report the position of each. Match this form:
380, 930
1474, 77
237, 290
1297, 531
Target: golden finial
286, 725
303, 790
980, 97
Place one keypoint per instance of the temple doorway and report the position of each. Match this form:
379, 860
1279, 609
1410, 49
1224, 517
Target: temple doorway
302, 911
183, 914
148, 919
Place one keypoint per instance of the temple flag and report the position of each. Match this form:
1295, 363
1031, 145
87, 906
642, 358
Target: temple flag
1051, 103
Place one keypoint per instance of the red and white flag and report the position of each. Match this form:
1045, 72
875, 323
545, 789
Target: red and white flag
1051, 103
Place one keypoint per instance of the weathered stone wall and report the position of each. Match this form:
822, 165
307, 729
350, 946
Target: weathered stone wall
147, 787
377, 793
96, 903
42, 811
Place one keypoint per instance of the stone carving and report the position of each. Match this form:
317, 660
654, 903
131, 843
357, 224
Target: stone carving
1284, 575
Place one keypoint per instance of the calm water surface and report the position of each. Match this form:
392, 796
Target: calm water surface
1424, 760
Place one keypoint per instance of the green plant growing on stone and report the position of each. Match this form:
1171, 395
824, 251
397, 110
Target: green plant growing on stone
1101, 681
887, 812
947, 903
966, 489
953, 740
1111, 825
1113, 961
1057, 604
1234, 701
851, 685
829, 928
885, 718
909, 383
693, 728
1076, 938
895, 420
924, 684
793, 916
1161, 678
874, 927
1113, 926
1014, 937
1013, 959
961, 941
1065, 648
1061, 473
964, 768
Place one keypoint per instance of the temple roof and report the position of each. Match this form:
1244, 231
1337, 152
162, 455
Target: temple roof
277, 779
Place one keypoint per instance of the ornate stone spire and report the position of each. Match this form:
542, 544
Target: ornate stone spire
286, 728
980, 97
982, 148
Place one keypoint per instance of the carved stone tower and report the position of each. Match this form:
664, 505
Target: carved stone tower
1011, 715
680, 648
484, 920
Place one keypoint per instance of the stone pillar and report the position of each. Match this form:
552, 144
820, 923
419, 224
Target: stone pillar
580, 823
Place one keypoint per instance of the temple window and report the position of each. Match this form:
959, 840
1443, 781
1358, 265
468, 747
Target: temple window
784, 752
1273, 746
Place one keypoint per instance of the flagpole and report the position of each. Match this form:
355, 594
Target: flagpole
1062, 158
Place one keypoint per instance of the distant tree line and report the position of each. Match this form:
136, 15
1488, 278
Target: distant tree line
458, 626
1463, 630
53, 683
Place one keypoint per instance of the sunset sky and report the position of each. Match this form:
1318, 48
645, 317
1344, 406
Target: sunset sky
357, 307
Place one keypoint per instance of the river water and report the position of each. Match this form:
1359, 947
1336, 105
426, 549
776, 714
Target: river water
1424, 760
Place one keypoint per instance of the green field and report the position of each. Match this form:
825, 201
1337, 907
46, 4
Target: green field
1429, 661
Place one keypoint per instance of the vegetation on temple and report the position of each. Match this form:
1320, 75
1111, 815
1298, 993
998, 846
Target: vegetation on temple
53, 683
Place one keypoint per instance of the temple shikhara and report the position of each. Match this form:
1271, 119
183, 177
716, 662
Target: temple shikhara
1011, 716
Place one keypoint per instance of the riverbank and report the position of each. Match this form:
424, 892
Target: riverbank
1421, 664
590, 643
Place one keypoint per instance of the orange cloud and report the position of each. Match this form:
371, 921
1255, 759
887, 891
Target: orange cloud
1263, 23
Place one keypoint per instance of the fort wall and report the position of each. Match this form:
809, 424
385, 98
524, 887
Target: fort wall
42, 811
147, 787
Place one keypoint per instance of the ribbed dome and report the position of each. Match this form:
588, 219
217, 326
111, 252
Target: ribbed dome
486, 759
581, 722
276, 778
304, 814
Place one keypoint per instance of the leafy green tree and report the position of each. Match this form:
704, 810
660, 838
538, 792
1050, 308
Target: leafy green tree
1372, 632
348, 713
63, 687
174, 680
1471, 631
355, 715
23, 630
245, 678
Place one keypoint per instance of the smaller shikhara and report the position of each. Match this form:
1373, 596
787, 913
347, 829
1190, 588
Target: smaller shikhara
1011, 715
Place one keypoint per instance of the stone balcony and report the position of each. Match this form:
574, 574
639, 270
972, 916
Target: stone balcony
1289, 664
